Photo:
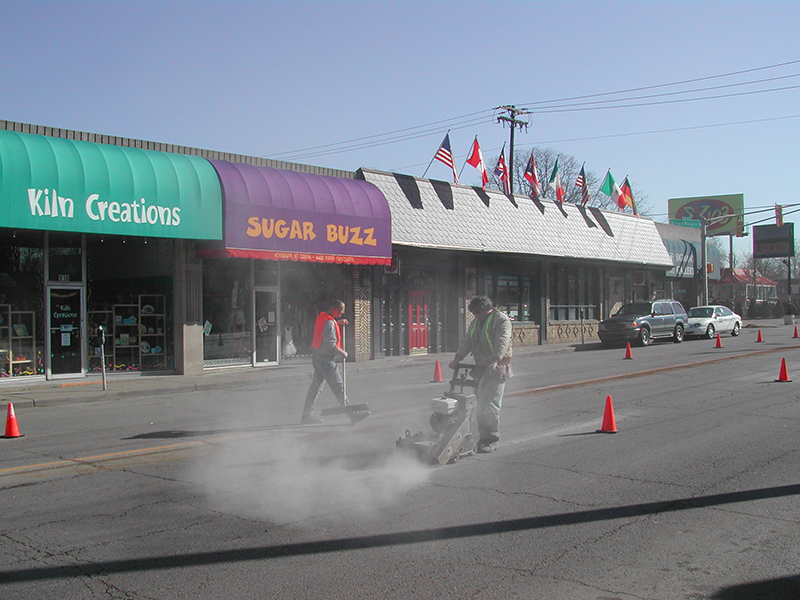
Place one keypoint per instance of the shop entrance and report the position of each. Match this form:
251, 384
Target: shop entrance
267, 325
418, 322
64, 350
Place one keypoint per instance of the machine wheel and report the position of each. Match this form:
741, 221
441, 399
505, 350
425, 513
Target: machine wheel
735, 330
644, 336
710, 331
677, 335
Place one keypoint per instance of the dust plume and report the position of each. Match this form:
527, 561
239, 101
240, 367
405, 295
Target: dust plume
288, 477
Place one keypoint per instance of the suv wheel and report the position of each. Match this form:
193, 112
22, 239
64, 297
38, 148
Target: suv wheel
677, 335
644, 336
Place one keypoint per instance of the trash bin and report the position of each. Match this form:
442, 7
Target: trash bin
788, 319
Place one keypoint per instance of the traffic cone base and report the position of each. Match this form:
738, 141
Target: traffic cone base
784, 375
719, 342
759, 338
628, 353
437, 373
12, 428
609, 423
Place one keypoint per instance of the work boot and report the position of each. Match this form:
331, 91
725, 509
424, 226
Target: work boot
488, 447
310, 419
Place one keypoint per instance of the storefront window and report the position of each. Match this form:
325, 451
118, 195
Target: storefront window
21, 303
65, 257
574, 294
510, 294
227, 298
129, 293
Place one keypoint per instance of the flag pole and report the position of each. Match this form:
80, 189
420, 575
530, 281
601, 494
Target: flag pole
434, 155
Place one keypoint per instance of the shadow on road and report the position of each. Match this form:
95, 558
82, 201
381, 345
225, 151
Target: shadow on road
782, 588
157, 563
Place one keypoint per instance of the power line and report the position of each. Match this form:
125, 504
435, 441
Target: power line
547, 106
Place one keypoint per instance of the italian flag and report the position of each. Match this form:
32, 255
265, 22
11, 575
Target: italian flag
612, 190
555, 183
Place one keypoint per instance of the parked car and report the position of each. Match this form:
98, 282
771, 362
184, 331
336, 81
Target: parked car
644, 321
708, 321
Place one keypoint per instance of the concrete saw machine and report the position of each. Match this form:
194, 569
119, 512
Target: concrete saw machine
451, 422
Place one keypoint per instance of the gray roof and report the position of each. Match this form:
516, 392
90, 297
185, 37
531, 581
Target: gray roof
437, 214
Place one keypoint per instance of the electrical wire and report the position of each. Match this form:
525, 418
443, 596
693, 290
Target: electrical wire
545, 107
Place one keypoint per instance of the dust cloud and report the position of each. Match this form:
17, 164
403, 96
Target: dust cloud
291, 478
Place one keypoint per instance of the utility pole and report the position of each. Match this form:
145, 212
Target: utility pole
509, 117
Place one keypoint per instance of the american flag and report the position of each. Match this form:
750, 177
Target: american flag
501, 171
445, 155
533, 178
581, 183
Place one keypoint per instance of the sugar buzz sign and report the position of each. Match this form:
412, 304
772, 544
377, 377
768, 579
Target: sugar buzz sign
690, 211
302, 235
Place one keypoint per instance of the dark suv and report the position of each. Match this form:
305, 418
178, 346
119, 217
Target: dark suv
644, 321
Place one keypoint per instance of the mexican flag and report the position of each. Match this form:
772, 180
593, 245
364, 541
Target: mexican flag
612, 190
555, 183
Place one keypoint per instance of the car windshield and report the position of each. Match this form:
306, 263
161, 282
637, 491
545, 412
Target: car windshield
636, 308
701, 311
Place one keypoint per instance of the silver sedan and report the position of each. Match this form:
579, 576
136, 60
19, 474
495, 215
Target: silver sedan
708, 321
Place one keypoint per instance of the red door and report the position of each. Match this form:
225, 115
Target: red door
418, 322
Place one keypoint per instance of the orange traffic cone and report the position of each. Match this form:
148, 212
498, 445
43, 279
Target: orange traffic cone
12, 429
609, 424
795, 332
759, 339
784, 376
437, 373
628, 353
719, 342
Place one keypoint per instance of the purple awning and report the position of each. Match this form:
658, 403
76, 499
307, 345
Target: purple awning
286, 215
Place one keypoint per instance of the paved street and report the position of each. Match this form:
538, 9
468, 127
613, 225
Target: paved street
207, 487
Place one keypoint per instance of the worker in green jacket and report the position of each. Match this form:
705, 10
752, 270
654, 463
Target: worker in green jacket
488, 339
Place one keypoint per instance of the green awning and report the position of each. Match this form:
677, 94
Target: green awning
58, 184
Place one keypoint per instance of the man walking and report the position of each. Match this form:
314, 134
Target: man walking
327, 347
488, 338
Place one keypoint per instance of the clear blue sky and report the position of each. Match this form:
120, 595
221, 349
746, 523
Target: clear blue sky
267, 78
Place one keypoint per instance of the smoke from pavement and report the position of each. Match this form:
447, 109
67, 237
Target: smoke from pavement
290, 477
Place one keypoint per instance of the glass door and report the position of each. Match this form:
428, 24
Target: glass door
65, 354
267, 337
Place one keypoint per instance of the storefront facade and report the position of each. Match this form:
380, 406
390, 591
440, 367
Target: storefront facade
88, 235
555, 270
292, 241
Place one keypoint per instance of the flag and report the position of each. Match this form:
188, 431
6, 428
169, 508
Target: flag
533, 178
611, 189
476, 160
581, 183
445, 155
501, 171
627, 192
555, 183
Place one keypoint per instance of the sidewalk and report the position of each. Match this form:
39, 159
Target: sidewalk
40, 392
36, 391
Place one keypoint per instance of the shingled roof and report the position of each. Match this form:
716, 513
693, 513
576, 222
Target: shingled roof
438, 214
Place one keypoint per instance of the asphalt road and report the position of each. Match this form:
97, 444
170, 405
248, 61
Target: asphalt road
219, 493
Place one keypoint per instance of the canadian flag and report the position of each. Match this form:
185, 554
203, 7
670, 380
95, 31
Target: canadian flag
476, 160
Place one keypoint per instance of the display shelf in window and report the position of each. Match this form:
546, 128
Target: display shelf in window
152, 331
106, 319
5, 340
22, 353
125, 353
